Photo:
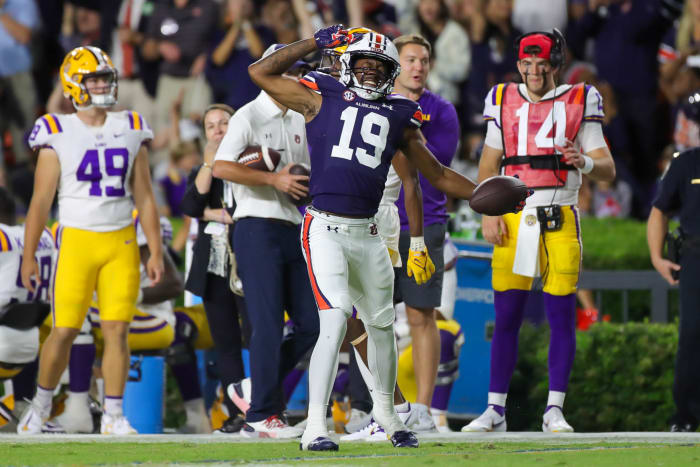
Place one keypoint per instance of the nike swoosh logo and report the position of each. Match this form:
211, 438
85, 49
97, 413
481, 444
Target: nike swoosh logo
127, 242
118, 135
497, 425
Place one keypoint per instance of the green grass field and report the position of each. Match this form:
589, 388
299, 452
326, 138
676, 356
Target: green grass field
430, 453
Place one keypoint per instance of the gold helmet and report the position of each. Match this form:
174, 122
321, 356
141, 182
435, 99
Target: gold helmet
81, 63
329, 57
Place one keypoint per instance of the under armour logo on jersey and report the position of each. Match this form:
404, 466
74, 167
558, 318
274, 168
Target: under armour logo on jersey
335, 229
388, 106
373, 229
268, 135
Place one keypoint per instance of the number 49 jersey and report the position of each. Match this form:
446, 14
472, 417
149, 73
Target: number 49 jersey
11, 246
352, 141
96, 162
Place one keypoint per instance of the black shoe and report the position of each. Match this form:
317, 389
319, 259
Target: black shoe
231, 425
404, 439
320, 444
683, 428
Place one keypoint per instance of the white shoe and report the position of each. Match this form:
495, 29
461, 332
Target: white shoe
31, 423
419, 419
116, 425
371, 432
76, 417
358, 420
554, 422
271, 427
240, 394
490, 420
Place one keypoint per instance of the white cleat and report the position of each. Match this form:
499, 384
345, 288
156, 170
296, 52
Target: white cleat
358, 420
31, 423
241, 394
271, 427
76, 418
116, 425
418, 419
554, 422
371, 432
490, 420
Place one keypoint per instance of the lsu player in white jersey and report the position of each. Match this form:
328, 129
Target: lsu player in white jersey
98, 161
21, 311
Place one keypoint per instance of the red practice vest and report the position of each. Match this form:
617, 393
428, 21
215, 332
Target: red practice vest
530, 131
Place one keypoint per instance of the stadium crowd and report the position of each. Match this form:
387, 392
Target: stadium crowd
175, 58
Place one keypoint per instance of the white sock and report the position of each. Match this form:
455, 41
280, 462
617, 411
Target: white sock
323, 365
556, 398
194, 408
497, 398
114, 405
43, 399
382, 359
77, 398
316, 421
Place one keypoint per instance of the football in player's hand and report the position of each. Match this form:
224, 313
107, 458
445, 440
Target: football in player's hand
260, 158
299, 169
498, 195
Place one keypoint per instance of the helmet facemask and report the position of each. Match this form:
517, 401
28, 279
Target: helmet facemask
81, 64
107, 99
372, 46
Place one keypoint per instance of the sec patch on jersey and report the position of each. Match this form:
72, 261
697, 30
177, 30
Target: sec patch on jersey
498, 195
260, 158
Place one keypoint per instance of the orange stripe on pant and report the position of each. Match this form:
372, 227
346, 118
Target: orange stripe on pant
321, 301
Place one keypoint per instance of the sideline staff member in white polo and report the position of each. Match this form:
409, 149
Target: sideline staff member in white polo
268, 252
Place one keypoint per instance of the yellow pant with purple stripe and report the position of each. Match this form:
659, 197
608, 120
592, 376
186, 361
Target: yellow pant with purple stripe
559, 255
106, 262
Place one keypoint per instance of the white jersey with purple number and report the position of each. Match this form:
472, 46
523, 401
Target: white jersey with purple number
11, 246
94, 192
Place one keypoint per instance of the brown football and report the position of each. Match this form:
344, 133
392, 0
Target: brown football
260, 158
498, 195
299, 169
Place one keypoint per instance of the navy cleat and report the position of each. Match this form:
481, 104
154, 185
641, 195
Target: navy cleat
404, 439
322, 443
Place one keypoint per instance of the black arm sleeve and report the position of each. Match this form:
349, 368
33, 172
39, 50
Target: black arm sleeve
194, 202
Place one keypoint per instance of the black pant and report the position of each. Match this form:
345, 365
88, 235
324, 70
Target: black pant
275, 280
223, 309
686, 384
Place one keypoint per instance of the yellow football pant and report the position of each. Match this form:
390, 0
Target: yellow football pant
559, 253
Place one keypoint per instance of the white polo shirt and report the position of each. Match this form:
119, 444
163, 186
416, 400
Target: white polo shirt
261, 122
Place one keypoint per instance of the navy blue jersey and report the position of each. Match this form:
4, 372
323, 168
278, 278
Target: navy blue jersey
352, 141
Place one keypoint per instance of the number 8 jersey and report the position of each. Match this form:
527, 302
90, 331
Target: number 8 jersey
96, 162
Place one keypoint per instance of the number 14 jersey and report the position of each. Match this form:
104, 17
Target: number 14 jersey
94, 192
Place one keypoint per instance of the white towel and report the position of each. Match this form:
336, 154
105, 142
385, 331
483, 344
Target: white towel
527, 249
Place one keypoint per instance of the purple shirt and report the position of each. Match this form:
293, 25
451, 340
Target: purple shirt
352, 142
441, 131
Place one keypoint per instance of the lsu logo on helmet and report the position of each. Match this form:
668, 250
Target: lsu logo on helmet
81, 63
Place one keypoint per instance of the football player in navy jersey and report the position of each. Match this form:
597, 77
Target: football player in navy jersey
354, 127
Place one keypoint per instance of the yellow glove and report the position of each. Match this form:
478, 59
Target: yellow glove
419, 263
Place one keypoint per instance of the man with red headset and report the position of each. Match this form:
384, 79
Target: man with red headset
547, 135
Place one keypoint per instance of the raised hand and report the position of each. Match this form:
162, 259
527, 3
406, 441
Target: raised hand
331, 37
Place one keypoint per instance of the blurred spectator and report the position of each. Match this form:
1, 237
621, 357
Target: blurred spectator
626, 39
127, 38
239, 42
48, 53
493, 62
312, 16
279, 16
81, 26
542, 15
450, 43
18, 18
679, 73
179, 34
170, 178
612, 199
469, 13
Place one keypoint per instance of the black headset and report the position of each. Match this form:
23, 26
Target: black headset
557, 56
